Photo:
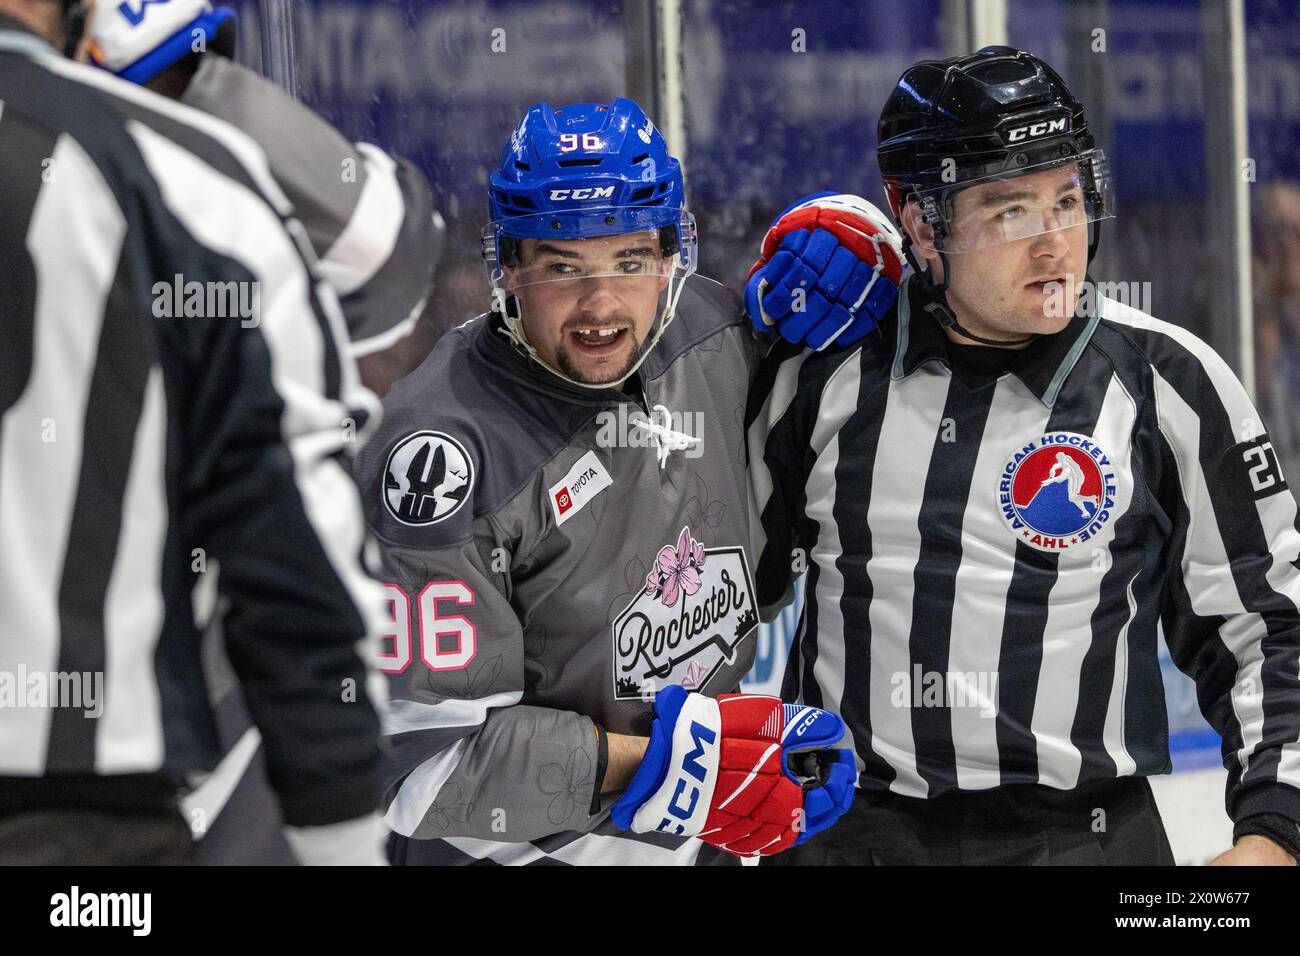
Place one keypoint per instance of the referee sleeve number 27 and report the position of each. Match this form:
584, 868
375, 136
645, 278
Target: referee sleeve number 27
1264, 471
447, 641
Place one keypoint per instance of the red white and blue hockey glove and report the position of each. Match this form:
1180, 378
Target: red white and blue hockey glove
743, 772
829, 271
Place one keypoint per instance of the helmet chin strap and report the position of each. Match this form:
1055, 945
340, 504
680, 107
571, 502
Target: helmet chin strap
938, 306
514, 330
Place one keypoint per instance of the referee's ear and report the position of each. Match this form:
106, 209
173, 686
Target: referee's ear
922, 235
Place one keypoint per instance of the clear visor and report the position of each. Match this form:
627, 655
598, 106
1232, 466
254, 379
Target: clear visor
613, 292
541, 260
1008, 207
521, 251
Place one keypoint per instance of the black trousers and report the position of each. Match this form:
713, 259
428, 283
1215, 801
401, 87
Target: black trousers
1105, 823
95, 838
92, 821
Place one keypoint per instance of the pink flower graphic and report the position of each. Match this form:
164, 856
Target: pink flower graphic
676, 569
694, 674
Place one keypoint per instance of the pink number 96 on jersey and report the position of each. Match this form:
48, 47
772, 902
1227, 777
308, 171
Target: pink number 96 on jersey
447, 641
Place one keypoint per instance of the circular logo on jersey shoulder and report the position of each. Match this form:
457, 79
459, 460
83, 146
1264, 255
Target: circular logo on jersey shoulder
1057, 491
427, 478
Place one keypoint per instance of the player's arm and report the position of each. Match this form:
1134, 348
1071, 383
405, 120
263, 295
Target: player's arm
466, 758
1232, 613
383, 263
625, 755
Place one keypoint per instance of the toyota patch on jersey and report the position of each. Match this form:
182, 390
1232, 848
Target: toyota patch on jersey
1057, 491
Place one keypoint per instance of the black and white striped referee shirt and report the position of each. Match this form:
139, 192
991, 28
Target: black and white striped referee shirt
141, 439
988, 561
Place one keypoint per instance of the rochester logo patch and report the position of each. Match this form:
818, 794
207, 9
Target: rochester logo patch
1057, 491
696, 608
427, 478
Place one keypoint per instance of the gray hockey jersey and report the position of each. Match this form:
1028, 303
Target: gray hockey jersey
554, 555
369, 216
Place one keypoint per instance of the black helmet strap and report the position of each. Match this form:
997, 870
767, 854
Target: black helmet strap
937, 299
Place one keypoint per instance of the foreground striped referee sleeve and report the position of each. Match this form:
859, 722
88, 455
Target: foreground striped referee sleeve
277, 410
212, 435
1232, 604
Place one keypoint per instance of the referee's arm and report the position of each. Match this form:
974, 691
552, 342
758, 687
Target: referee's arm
269, 408
1231, 611
777, 419
272, 411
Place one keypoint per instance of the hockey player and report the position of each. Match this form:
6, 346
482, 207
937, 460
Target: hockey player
369, 215
1000, 499
561, 495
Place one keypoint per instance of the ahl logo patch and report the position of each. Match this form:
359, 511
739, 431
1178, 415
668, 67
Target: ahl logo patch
1058, 491
427, 478
696, 608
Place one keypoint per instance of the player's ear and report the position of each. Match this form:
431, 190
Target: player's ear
519, 250
920, 232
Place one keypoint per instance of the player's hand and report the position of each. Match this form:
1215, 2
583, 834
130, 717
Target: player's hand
743, 772
1255, 849
829, 271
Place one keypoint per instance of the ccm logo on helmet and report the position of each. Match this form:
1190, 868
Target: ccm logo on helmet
590, 192
1036, 129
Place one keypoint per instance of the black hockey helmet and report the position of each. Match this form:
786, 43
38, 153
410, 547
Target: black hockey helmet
993, 115
994, 111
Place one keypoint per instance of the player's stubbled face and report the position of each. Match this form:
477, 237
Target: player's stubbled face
1008, 289
589, 304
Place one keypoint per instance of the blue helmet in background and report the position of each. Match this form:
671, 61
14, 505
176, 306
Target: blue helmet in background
582, 172
593, 169
138, 44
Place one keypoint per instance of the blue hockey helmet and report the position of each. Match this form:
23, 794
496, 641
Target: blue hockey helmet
138, 44
593, 169
587, 171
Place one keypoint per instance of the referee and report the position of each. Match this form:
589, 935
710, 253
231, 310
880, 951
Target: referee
148, 437
1002, 497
